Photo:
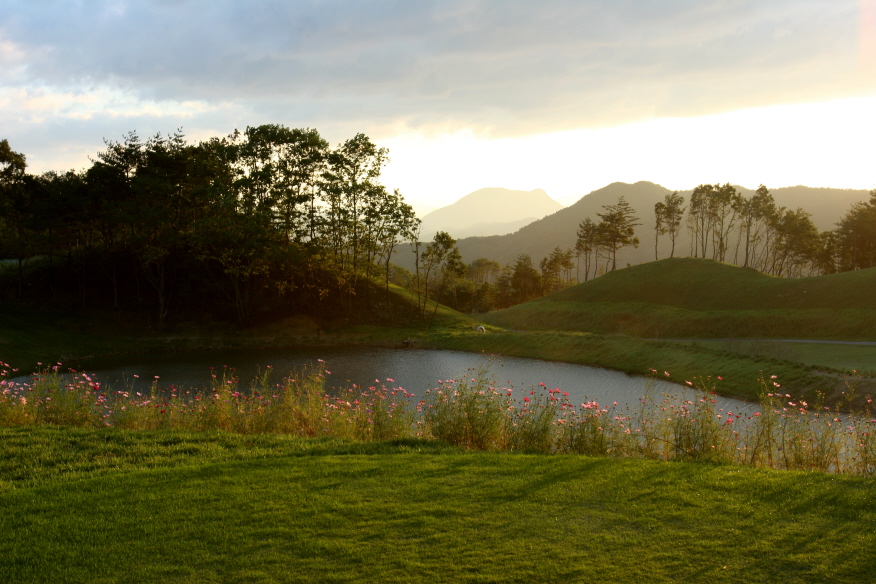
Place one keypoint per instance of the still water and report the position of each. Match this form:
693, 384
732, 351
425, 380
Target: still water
413, 369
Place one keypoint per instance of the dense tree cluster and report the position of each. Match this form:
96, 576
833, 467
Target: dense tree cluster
273, 219
263, 218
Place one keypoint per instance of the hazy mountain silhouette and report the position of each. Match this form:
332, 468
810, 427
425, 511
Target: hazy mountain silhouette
539, 238
490, 211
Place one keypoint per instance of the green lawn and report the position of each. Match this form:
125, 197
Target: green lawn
688, 297
861, 358
684, 361
112, 506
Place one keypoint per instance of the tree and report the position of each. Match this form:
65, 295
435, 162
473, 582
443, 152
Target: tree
672, 214
14, 207
856, 236
390, 221
754, 213
440, 258
525, 281
616, 229
724, 207
554, 267
586, 243
659, 223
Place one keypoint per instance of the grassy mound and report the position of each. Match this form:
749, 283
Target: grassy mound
169, 507
687, 297
697, 284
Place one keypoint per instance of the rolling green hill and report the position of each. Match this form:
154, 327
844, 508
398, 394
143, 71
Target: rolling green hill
687, 297
697, 284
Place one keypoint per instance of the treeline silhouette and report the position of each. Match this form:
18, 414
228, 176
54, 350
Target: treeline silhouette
266, 221
721, 224
273, 221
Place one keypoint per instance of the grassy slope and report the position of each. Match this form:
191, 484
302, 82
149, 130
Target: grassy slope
29, 335
861, 358
686, 297
637, 356
162, 507
47, 337
44, 336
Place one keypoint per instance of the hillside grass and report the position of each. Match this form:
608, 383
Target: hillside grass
37, 338
702, 285
846, 358
28, 336
684, 361
688, 297
31, 335
83, 505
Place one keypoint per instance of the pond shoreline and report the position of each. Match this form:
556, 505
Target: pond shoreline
614, 352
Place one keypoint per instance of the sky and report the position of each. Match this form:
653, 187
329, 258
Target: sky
563, 95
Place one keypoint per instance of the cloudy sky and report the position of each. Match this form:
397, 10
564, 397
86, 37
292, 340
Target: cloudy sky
564, 95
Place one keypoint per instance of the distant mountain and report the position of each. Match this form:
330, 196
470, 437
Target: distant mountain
490, 211
539, 238
483, 229
569, 200
422, 210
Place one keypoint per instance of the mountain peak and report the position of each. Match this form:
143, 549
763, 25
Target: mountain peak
490, 211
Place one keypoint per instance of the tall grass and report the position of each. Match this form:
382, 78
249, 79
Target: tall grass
475, 413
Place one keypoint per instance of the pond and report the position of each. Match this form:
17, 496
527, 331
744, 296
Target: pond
416, 370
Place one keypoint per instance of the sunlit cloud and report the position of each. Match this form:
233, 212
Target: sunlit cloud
825, 144
558, 94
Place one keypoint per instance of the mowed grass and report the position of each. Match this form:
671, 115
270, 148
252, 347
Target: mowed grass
848, 358
223, 508
683, 361
688, 297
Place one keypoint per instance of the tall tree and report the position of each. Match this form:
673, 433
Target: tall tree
659, 224
617, 228
673, 211
586, 244
14, 205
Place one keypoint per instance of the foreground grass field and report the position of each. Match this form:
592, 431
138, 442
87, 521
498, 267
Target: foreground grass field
81, 505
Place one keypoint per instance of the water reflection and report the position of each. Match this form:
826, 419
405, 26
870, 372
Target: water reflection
414, 369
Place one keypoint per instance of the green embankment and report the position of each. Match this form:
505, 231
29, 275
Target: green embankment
82, 505
687, 297
684, 362
28, 336
844, 357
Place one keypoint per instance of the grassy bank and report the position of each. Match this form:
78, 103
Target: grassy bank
847, 358
109, 505
688, 297
684, 361
654, 321
30, 335
45, 341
